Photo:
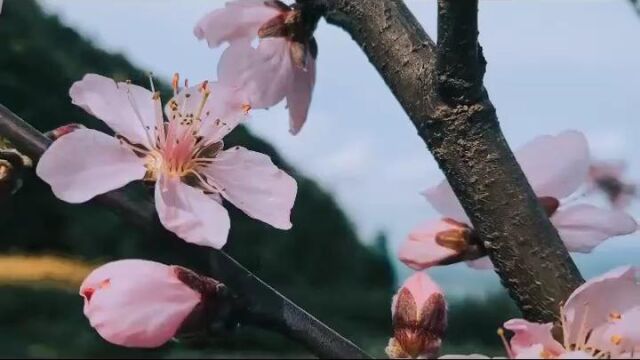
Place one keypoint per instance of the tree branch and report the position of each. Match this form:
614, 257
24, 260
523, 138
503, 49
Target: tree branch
450, 109
460, 65
262, 305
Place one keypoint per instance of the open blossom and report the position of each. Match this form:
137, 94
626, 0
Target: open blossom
419, 315
599, 320
183, 156
607, 176
555, 166
137, 303
283, 64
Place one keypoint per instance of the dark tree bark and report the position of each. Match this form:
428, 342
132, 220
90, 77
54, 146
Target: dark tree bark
441, 90
636, 5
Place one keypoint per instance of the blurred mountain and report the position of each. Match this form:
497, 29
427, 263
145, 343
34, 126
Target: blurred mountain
320, 263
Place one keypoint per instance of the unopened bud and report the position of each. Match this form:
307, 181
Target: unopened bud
144, 304
439, 242
419, 317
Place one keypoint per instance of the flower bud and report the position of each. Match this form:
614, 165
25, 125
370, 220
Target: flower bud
138, 303
419, 317
438, 242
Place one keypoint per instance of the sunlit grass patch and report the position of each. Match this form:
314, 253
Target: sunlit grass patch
45, 269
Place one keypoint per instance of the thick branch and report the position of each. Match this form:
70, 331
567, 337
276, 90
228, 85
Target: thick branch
460, 127
460, 65
263, 305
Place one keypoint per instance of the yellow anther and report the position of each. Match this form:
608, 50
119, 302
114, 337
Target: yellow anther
505, 343
614, 316
246, 108
174, 82
616, 339
104, 284
205, 86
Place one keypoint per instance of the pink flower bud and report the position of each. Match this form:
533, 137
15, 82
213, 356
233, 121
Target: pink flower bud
137, 303
419, 314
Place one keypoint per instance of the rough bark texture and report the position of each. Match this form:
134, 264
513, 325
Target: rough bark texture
441, 90
260, 304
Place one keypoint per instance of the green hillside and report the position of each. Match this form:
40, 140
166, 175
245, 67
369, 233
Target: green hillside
320, 263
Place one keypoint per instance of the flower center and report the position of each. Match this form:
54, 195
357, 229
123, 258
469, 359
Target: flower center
178, 150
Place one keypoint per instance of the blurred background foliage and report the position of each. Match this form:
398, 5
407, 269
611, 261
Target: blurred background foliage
320, 264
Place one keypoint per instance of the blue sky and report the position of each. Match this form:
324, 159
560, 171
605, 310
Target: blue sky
553, 65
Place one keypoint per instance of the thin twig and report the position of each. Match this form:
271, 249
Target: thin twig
264, 306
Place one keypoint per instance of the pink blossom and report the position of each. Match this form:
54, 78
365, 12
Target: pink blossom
607, 177
555, 166
182, 156
137, 303
436, 242
283, 64
600, 319
419, 313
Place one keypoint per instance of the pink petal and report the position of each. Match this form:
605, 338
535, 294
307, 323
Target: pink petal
607, 169
470, 356
421, 287
86, 163
221, 112
299, 96
444, 201
264, 74
582, 227
137, 303
420, 250
238, 21
127, 109
528, 334
533, 352
592, 305
555, 165
250, 181
623, 200
627, 330
190, 214
226, 110
576, 355
483, 263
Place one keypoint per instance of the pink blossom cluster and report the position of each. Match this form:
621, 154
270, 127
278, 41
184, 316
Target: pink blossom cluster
600, 320
557, 166
179, 149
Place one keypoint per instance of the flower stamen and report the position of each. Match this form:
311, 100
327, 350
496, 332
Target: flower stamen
505, 343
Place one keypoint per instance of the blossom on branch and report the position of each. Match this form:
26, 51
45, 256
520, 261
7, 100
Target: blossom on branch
183, 156
144, 304
599, 320
419, 316
556, 166
281, 66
